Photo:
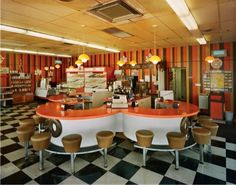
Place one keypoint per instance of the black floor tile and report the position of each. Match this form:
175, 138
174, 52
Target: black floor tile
3, 124
119, 152
91, 157
15, 125
3, 137
124, 169
215, 159
22, 163
218, 143
7, 131
16, 139
54, 176
231, 139
58, 159
4, 160
157, 166
16, 178
187, 162
118, 140
204, 179
90, 173
167, 180
10, 148
231, 154
129, 182
231, 176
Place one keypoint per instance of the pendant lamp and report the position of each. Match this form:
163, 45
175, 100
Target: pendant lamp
154, 58
84, 57
78, 62
133, 63
209, 58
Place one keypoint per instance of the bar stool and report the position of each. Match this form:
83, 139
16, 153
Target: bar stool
144, 139
105, 139
71, 145
176, 141
212, 127
201, 136
25, 122
38, 120
40, 142
24, 134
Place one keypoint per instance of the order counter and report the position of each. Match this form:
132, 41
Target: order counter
89, 122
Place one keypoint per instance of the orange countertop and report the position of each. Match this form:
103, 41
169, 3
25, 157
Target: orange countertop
62, 98
53, 111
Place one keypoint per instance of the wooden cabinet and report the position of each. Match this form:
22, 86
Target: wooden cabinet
6, 95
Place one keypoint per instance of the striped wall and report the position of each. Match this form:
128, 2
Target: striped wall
190, 57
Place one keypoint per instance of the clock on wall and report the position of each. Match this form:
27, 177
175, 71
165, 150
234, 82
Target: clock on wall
217, 63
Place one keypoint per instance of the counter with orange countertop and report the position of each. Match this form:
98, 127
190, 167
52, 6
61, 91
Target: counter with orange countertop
89, 122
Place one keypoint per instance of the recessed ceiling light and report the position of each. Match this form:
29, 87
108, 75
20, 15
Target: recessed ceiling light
154, 25
82, 25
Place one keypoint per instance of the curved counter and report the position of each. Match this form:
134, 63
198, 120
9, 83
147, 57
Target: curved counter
89, 122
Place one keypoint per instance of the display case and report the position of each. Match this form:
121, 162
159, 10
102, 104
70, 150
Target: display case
21, 87
96, 80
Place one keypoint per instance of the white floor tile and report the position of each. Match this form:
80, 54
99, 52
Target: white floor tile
212, 170
8, 169
218, 151
182, 175
110, 178
6, 142
163, 156
218, 138
111, 161
231, 146
34, 172
79, 164
134, 158
231, 164
5, 127
12, 156
144, 176
32, 182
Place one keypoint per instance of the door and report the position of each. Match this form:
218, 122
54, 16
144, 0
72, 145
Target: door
179, 83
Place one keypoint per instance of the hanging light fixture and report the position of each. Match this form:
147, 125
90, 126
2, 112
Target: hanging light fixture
84, 57
1, 59
154, 58
46, 68
57, 66
71, 66
122, 61
79, 62
58, 63
133, 63
209, 58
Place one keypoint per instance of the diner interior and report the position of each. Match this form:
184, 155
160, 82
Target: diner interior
118, 91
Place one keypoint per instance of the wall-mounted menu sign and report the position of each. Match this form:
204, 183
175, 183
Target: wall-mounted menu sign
217, 80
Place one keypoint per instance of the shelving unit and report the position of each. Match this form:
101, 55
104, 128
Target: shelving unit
5, 95
21, 87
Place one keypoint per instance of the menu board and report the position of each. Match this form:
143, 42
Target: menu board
217, 80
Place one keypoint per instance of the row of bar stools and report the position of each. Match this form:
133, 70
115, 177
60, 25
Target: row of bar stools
105, 139
39, 121
71, 145
202, 137
212, 127
144, 139
24, 133
40, 142
176, 141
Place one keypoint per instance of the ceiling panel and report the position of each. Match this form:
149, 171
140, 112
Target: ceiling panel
216, 20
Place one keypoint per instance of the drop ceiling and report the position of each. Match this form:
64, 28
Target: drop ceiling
216, 20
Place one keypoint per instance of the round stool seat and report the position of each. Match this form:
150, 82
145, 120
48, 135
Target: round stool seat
144, 138
213, 127
72, 143
104, 138
176, 140
25, 132
40, 141
38, 119
201, 135
26, 122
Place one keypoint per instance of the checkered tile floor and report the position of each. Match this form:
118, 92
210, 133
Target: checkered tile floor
125, 162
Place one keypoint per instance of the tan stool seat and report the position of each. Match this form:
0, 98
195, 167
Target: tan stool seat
26, 122
213, 127
25, 132
38, 119
201, 135
40, 141
72, 143
104, 138
176, 140
144, 138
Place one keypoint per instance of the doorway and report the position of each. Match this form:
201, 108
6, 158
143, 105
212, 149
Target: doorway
179, 83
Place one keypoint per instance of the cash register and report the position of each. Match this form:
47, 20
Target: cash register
119, 102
